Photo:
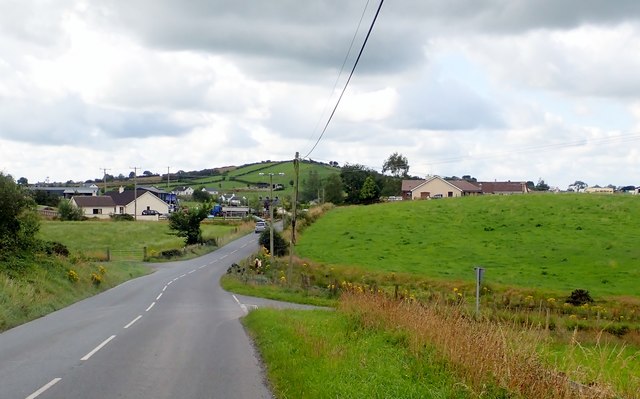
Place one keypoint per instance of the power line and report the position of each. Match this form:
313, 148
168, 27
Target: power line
344, 62
348, 80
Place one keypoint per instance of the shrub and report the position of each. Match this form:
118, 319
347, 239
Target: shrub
171, 253
579, 297
66, 211
96, 279
125, 217
619, 330
72, 275
280, 246
57, 248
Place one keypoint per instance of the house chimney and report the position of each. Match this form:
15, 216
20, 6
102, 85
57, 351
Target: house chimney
121, 189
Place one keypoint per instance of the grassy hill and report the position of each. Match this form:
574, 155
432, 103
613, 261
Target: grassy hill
550, 242
240, 180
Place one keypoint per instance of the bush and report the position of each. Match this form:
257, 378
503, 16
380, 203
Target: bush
57, 248
171, 253
619, 330
579, 297
125, 217
280, 246
66, 211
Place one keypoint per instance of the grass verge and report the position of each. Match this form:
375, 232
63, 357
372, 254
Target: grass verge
47, 283
325, 354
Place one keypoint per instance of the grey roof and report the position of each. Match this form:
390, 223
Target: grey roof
100, 201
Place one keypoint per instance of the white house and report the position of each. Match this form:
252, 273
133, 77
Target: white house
184, 191
100, 206
125, 202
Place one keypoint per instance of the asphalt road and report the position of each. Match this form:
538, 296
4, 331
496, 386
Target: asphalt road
172, 334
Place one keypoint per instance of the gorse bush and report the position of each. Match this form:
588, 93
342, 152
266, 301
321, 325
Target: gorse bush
579, 297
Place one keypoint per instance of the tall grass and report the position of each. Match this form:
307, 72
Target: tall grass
480, 351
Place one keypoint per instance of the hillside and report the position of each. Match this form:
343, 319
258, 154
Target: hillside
551, 242
240, 180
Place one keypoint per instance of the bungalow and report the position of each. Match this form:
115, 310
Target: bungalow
126, 202
503, 187
605, 190
437, 187
184, 191
100, 206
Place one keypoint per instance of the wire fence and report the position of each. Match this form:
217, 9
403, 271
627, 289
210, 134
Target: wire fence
126, 254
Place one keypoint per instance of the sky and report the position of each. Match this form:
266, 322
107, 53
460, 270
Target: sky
518, 90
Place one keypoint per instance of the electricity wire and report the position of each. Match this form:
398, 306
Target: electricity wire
344, 62
348, 80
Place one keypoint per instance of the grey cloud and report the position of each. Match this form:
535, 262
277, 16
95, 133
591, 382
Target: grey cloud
445, 105
70, 121
316, 33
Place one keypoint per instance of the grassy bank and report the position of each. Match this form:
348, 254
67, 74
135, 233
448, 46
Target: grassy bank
45, 283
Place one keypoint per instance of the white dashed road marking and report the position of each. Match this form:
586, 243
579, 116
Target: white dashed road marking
44, 388
133, 321
97, 348
150, 306
159, 296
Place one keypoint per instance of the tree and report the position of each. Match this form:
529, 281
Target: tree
66, 211
578, 186
201, 195
311, 186
23, 181
542, 186
333, 191
132, 174
353, 178
147, 173
186, 223
370, 191
19, 222
397, 164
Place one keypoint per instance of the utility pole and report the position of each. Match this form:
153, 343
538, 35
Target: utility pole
296, 171
168, 177
135, 191
271, 209
104, 178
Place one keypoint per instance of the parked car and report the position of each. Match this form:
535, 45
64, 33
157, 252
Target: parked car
260, 227
150, 212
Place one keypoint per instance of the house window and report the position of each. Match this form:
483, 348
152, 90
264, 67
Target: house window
97, 211
450, 194
121, 210
424, 195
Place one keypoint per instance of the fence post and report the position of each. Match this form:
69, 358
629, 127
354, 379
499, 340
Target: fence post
144, 254
108, 254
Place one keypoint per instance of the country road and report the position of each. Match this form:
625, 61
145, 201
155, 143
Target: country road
171, 334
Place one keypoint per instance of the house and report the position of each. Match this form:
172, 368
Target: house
184, 191
126, 202
100, 206
503, 187
605, 190
437, 187
68, 192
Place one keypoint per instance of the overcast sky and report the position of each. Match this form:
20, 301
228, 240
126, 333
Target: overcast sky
496, 89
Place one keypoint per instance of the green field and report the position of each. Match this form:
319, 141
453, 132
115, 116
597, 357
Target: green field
551, 242
97, 236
